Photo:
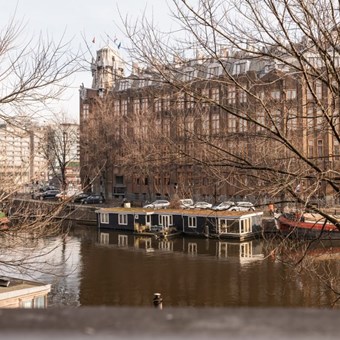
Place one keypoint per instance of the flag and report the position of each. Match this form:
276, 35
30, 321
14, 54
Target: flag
94, 39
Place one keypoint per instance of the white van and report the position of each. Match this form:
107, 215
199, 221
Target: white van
186, 203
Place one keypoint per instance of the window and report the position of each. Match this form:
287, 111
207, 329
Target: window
190, 124
309, 94
39, 302
86, 111
320, 148
158, 105
205, 96
318, 89
122, 219
166, 102
124, 107
166, 127
116, 107
124, 85
245, 226
261, 120
205, 124
144, 104
26, 303
104, 218
215, 123
243, 124
310, 117
242, 96
119, 180
192, 222
180, 101
215, 95
190, 100
231, 95
240, 67
189, 75
275, 94
231, 123
213, 71
136, 105
292, 122
290, 94
319, 119
165, 219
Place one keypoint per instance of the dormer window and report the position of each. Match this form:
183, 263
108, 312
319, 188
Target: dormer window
241, 67
214, 71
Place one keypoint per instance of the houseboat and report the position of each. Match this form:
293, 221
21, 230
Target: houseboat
309, 226
167, 222
19, 293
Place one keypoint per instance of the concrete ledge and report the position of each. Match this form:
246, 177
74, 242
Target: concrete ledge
169, 323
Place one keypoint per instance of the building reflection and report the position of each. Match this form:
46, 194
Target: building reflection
245, 251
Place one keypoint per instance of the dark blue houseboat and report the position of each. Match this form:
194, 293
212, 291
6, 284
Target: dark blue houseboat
167, 222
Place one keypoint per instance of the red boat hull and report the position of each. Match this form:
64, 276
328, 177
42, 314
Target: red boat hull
307, 229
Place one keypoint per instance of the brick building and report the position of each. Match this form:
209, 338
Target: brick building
143, 136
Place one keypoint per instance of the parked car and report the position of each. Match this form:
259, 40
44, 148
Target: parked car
243, 206
186, 203
48, 194
158, 204
65, 195
93, 199
202, 205
78, 198
223, 206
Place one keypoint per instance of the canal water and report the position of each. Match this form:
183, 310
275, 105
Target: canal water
92, 268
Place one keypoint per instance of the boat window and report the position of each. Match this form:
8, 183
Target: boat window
39, 302
192, 222
168, 219
104, 218
122, 219
26, 303
229, 226
245, 226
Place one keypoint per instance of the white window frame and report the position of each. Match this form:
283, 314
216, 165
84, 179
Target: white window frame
104, 218
192, 222
171, 221
122, 219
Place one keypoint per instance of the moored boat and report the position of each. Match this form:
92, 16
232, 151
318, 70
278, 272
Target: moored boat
308, 226
207, 223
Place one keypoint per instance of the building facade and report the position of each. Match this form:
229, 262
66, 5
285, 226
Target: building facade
196, 134
20, 159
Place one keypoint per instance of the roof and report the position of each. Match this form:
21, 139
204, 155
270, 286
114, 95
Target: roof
17, 287
191, 212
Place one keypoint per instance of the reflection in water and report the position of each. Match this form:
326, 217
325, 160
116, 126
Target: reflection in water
117, 269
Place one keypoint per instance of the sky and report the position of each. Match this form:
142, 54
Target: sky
78, 19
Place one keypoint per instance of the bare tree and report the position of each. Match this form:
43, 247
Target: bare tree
34, 73
60, 149
269, 71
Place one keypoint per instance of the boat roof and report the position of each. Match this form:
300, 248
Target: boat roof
188, 212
